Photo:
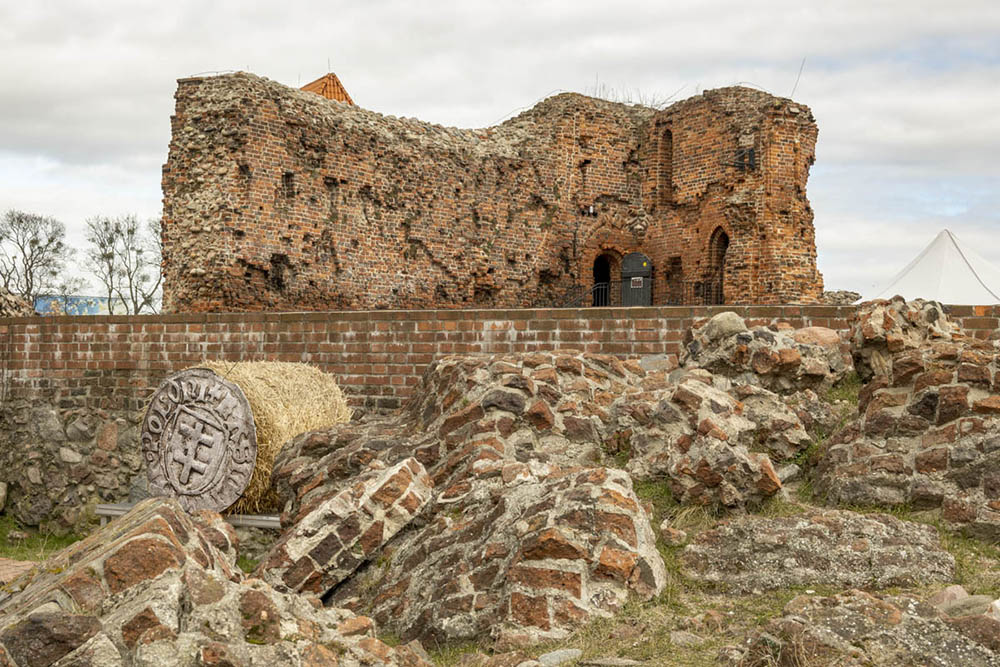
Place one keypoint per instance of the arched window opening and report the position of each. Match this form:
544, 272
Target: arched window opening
602, 280
718, 246
666, 187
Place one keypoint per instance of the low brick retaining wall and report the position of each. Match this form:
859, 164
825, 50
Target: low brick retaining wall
72, 388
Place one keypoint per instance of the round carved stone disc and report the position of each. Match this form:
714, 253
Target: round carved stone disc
199, 440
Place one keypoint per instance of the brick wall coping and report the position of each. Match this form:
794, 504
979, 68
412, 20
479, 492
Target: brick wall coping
612, 313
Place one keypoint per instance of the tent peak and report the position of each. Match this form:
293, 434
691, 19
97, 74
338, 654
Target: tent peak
948, 272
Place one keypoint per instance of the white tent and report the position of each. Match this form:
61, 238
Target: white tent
948, 272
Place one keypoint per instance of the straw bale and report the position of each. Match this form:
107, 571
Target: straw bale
286, 399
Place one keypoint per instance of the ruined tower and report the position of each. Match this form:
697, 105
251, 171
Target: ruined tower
278, 199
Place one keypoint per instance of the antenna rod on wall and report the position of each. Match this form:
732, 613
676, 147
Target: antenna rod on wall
798, 77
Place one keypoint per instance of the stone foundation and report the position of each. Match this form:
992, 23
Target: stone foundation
73, 388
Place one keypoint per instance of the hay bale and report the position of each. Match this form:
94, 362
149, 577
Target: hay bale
286, 399
182, 426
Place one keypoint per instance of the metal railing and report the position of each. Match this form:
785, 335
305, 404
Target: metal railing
694, 293
678, 293
599, 295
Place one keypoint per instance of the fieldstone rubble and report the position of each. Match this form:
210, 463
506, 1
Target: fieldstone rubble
522, 556
784, 361
884, 329
510, 443
927, 432
159, 587
860, 628
839, 297
699, 438
512, 463
12, 305
830, 548
330, 542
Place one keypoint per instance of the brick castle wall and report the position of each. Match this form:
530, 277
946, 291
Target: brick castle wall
277, 199
378, 357
73, 388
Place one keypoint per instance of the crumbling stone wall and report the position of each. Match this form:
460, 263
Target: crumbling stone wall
275, 199
72, 389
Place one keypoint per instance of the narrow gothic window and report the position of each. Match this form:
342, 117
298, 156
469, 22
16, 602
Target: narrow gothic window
718, 246
667, 167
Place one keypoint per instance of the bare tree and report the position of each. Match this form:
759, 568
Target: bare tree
33, 255
125, 257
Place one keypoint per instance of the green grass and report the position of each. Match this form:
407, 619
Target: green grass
617, 450
847, 389
248, 565
690, 519
658, 493
36, 546
977, 564
451, 654
777, 506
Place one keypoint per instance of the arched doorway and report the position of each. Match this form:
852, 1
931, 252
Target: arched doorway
718, 246
602, 281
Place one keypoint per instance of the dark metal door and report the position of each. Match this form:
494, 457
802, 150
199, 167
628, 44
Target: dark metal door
637, 280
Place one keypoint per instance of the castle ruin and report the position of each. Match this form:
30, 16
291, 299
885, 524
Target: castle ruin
280, 199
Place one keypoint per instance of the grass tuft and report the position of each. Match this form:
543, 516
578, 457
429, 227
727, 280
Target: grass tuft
37, 546
452, 654
847, 389
248, 565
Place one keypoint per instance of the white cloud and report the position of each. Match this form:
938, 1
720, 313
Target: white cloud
904, 93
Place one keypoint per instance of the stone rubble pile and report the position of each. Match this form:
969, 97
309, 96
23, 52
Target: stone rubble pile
860, 628
159, 587
499, 506
927, 432
525, 536
839, 297
12, 305
784, 361
332, 540
831, 548
883, 330
702, 440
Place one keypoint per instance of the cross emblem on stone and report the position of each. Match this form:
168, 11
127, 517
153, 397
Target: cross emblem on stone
187, 454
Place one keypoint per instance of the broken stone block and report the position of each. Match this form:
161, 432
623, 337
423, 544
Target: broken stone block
520, 561
783, 361
856, 627
836, 548
329, 543
159, 587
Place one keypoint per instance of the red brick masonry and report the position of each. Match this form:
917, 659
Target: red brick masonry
112, 363
278, 200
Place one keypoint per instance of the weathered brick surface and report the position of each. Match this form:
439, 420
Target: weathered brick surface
276, 199
74, 387
927, 432
330, 543
150, 587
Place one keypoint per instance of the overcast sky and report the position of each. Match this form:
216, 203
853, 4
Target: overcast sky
906, 94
